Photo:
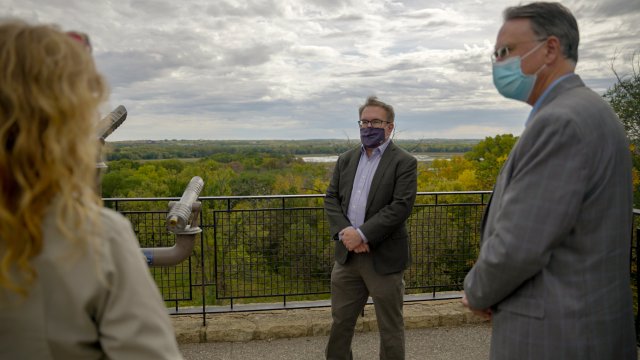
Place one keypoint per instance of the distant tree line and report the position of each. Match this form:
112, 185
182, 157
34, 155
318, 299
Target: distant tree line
275, 167
196, 149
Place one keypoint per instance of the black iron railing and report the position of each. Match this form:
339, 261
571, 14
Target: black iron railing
635, 264
265, 252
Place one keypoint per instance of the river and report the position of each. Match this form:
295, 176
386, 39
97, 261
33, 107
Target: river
421, 157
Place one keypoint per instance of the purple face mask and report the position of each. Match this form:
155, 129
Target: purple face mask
371, 137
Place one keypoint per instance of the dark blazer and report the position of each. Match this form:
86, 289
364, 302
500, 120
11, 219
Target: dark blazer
389, 204
554, 260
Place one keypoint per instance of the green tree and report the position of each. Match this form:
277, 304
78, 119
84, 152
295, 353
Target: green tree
488, 156
455, 174
624, 97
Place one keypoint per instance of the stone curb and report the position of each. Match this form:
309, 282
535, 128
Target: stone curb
275, 324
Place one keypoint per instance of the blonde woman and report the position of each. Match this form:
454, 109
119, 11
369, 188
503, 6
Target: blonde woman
73, 283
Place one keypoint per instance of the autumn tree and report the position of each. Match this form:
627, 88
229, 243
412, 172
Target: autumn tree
488, 156
624, 97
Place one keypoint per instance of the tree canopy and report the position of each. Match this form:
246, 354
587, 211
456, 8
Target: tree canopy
624, 97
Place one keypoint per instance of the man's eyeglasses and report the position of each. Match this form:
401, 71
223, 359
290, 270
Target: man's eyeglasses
503, 52
375, 123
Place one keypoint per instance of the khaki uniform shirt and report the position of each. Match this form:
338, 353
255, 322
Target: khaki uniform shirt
84, 306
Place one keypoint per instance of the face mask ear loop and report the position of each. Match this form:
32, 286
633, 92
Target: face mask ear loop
532, 50
540, 69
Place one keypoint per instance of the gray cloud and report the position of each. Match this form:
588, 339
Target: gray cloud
127, 67
249, 8
299, 69
604, 8
254, 55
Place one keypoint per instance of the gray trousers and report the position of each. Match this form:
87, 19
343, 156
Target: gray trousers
351, 285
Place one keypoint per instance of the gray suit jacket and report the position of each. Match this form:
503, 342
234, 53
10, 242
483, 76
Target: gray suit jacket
389, 204
554, 260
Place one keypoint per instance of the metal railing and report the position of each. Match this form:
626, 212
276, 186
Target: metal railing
265, 252
635, 264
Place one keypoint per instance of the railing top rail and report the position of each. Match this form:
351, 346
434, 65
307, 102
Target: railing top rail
232, 197
454, 192
142, 199
291, 196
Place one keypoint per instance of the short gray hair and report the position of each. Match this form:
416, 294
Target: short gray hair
547, 19
373, 101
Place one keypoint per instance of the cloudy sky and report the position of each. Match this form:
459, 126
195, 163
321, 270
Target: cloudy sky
294, 69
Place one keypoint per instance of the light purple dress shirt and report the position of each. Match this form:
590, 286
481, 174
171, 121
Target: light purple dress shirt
362, 184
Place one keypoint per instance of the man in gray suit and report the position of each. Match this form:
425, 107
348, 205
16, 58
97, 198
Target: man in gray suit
368, 201
553, 269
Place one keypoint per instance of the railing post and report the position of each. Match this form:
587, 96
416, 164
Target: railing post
215, 253
202, 272
637, 285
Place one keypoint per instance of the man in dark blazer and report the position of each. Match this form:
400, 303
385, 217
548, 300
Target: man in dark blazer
553, 270
368, 201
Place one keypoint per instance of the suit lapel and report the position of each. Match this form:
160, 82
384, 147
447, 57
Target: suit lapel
350, 175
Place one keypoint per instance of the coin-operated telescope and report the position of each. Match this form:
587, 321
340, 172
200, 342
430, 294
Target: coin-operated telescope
183, 220
111, 122
105, 127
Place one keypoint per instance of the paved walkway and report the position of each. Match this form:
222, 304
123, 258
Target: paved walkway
467, 342
437, 329
280, 324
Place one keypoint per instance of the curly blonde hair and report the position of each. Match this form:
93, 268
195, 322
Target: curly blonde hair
50, 91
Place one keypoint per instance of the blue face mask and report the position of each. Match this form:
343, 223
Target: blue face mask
509, 79
371, 137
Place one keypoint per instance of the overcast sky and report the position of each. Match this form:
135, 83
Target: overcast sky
287, 69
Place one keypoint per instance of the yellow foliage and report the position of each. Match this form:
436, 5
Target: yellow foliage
288, 184
467, 180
